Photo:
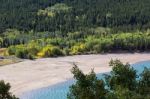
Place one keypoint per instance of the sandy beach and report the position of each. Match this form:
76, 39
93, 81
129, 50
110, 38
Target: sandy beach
29, 75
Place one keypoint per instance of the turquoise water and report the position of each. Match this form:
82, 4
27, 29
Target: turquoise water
59, 91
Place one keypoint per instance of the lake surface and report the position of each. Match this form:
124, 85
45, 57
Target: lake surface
59, 91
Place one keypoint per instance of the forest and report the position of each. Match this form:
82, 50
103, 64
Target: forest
74, 15
50, 28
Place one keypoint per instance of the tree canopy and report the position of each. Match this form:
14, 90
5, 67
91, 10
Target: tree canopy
70, 27
4, 91
121, 83
74, 15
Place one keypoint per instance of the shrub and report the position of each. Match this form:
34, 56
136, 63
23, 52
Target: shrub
50, 51
11, 50
92, 46
66, 51
22, 53
120, 83
4, 91
97, 48
106, 45
33, 50
86, 86
78, 49
144, 82
122, 75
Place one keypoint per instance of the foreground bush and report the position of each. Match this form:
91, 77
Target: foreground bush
121, 83
4, 91
87, 86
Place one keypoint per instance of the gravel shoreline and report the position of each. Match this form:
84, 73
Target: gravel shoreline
33, 74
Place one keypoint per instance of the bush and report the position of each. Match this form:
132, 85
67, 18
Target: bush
144, 82
50, 51
4, 91
66, 51
11, 50
22, 53
78, 49
33, 50
122, 75
86, 86
121, 83
97, 48
92, 46
106, 45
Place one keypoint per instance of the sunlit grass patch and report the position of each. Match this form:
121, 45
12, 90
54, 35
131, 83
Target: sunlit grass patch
3, 51
9, 60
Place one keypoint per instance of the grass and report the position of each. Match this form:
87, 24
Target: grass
9, 60
2, 51
6, 60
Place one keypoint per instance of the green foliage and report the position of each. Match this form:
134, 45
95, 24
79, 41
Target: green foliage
122, 75
144, 83
87, 86
1, 41
117, 14
22, 51
75, 27
121, 83
50, 51
4, 91
123, 93
82, 43
57, 8
11, 50
78, 49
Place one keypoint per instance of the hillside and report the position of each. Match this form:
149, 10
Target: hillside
50, 28
122, 14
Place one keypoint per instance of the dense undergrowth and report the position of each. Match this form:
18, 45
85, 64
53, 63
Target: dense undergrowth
32, 45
